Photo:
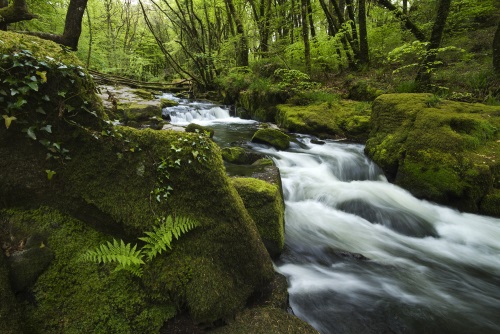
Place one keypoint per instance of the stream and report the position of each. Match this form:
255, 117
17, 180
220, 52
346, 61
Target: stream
363, 255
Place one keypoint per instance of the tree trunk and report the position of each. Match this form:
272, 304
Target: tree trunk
363, 35
242, 47
72, 26
423, 78
3, 4
405, 7
496, 51
311, 19
90, 38
15, 12
305, 36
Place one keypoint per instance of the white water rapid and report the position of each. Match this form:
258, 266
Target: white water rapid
364, 256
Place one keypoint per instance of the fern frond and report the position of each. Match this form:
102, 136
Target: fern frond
119, 252
161, 237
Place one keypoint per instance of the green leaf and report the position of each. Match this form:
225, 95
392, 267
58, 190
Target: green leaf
13, 91
61, 93
50, 174
40, 111
47, 128
195, 154
33, 86
8, 120
45, 98
42, 75
31, 133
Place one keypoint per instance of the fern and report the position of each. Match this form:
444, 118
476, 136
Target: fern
123, 254
161, 237
129, 258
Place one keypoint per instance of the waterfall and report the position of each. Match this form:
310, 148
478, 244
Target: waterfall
364, 256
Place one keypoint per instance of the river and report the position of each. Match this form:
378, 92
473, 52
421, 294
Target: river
363, 255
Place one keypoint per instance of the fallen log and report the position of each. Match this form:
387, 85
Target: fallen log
111, 79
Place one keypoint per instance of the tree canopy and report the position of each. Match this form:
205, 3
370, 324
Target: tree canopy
207, 40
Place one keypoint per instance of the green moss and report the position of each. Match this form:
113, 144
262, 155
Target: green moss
490, 205
342, 119
145, 94
234, 154
77, 297
137, 112
446, 152
266, 320
109, 184
196, 128
272, 137
264, 203
165, 103
10, 317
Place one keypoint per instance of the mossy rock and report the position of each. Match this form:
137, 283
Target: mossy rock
362, 91
57, 81
272, 137
440, 150
240, 156
343, 119
10, 315
107, 189
165, 103
265, 205
266, 320
260, 105
140, 112
142, 93
197, 128
87, 297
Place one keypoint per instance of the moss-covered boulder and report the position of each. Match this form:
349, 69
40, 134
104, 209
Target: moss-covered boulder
197, 128
240, 156
142, 93
97, 182
343, 119
260, 105
440, 150
363, 91
165, 103
265, 205
140, 111
272, 137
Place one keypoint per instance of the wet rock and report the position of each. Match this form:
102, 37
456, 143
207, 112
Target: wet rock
240, 156
196, 128
272, 137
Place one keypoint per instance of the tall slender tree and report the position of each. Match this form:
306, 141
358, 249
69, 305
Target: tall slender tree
496, 51
423, 78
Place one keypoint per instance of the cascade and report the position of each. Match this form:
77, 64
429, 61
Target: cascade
363, 255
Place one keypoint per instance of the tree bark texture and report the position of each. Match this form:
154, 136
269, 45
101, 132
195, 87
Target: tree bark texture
305, 36
496, 51
15, 12
363, 34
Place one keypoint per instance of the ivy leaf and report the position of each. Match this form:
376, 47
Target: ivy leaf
42, 75
46, 98
31, 133
33, 86
195, 154
40, 110
50, 174
2, 92
33, 78
8, 120
47, 128
13, 91
61, 93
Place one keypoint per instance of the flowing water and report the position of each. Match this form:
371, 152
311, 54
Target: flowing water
365, 256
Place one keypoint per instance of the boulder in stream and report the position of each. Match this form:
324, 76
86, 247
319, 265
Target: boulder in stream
84, 182
442, 151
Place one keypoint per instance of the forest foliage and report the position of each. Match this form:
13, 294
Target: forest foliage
388, 43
